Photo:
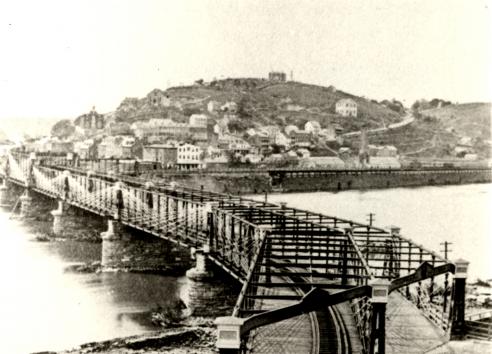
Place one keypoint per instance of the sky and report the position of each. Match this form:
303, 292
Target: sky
60, 58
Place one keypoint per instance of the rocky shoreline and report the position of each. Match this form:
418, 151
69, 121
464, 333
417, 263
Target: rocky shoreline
187, 339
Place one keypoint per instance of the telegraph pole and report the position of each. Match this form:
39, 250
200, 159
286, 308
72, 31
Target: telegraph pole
446, 251
371, 218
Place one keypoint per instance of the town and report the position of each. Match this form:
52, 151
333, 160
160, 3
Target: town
222, 124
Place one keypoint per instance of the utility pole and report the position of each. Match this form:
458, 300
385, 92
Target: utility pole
371, 218
446, 250
446, 281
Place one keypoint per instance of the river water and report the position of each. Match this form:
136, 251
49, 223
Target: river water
44, 308
427, 215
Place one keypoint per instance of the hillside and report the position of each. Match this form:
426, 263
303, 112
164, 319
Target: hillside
260, 102
469, 119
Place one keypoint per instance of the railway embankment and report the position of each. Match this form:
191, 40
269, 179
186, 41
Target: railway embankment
325, 180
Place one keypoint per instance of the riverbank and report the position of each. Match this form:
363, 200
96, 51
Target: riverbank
288, 181
196, 336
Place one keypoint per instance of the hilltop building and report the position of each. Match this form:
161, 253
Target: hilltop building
158, 98
277, 76
346, 107
90, 121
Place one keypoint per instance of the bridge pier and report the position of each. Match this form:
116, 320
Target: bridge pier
58, 218
202, 269
25, 204
458, 327
4, 194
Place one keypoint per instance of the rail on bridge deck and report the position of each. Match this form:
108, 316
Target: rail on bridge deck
281, 255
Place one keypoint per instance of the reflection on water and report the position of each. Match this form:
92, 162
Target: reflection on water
42, 308
427, 215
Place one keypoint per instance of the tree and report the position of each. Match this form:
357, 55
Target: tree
63, 129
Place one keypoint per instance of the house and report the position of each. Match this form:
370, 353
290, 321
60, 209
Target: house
281, 140
90, 121
312, 127
213, 107
165, 154
346, 107
84, 149
300, 138
116, 147
215, 157
277, 76
198, 120
189, 157
233, 144
156, 130
158, 98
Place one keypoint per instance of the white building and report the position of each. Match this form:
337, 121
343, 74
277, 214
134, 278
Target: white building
198, 120
312, 127
213, 106
290, 128
189, 157
346, 107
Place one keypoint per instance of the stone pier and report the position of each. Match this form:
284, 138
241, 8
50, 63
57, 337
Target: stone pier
209, 291
58, 218
203, 269
25, 205
4, 194
126, 249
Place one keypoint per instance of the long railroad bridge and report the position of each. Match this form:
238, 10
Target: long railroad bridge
309, 282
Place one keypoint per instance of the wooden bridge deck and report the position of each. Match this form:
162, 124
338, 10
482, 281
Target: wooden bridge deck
407, 330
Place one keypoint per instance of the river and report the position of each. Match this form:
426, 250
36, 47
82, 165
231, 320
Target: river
427, 215
44, 308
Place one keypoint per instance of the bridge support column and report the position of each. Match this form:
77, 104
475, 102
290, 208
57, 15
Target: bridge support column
25, 205
229, 334
58, 216
458, 328
4, 193
379, 299
111, 245
202, 269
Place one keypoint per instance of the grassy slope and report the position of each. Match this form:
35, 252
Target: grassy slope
469, 119
265, 103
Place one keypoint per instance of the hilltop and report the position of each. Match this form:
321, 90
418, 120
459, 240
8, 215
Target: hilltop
468, 119
259, 102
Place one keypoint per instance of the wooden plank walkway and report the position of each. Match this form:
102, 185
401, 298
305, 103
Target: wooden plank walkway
294, 335
407, 330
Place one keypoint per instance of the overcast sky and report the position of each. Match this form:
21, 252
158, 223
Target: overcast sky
58, 58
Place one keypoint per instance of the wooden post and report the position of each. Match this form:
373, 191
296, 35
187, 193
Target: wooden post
458, 327
379, 299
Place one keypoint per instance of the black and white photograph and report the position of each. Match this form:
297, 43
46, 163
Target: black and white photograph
245, 176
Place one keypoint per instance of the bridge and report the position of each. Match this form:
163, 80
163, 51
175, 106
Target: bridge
309, 282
